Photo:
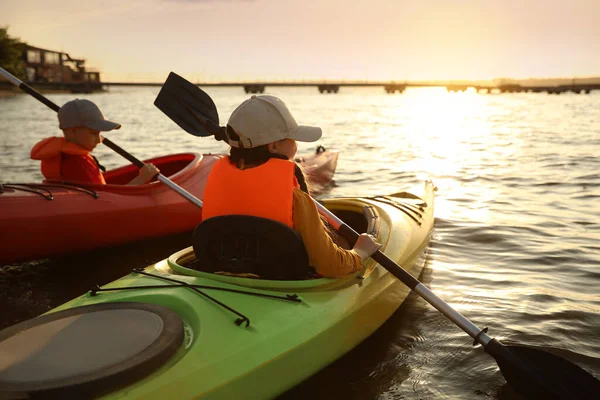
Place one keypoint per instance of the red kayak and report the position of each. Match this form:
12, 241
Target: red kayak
51, 218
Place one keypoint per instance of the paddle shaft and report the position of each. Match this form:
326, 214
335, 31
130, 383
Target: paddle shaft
28, 89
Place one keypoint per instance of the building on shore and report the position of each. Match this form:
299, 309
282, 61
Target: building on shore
49, 69
44, 65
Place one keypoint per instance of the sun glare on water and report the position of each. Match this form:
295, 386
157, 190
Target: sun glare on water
448, 135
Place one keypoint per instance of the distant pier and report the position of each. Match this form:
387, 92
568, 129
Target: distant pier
392, 87
331, 87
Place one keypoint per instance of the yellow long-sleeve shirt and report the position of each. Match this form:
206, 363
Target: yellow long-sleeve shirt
324, 255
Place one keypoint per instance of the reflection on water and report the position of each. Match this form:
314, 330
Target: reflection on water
517, 221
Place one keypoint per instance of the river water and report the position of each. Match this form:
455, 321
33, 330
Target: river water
516, 245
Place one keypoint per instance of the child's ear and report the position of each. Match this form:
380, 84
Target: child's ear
69, 133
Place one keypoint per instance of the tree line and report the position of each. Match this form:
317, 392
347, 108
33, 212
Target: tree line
11, 53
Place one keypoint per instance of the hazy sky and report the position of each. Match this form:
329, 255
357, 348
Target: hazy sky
225, 40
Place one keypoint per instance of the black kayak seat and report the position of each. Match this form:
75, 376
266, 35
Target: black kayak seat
87, 351
243, 244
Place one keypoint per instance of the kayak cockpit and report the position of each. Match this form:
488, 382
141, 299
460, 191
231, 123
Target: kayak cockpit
174, 166
360, 216
168, 165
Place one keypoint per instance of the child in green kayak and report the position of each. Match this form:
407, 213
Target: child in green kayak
68, 158
258, 179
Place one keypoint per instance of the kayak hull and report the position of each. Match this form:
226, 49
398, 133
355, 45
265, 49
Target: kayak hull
285, 342
84, 217
74, 221
292, 363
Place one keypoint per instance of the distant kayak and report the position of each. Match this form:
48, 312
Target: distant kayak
173, 330
53, 218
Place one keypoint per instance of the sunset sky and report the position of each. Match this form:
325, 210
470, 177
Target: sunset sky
232, 40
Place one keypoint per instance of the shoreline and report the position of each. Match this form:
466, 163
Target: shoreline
13, 92
8, 93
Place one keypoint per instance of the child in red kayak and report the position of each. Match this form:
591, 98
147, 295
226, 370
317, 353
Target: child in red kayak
68, 158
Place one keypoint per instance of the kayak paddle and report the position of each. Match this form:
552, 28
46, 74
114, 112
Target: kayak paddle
28, 89
195, 112
529, 371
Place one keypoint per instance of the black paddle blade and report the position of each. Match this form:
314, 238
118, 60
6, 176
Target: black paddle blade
188, 106
538, 374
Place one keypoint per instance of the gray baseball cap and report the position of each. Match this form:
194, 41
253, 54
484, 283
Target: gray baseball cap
81, 112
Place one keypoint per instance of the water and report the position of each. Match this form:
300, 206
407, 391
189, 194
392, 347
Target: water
516, 246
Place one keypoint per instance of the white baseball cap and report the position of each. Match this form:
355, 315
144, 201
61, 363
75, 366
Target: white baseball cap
266, 119
81, 112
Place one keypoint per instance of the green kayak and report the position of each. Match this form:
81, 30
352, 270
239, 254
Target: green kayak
170, 331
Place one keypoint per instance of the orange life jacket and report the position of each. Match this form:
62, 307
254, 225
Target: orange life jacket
49, 152
265, 191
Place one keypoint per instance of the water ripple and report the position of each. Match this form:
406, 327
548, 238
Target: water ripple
517, 222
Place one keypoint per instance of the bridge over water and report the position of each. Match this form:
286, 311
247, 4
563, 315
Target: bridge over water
331, 87
390, 87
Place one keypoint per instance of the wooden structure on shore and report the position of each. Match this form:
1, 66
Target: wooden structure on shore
49, 69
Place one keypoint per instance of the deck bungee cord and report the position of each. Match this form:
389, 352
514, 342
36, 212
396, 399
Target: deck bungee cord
178, 284
43, 188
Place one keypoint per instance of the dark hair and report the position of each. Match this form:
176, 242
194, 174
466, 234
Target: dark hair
260, 155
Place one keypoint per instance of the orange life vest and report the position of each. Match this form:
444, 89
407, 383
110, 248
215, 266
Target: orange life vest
49, 152
265, 191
